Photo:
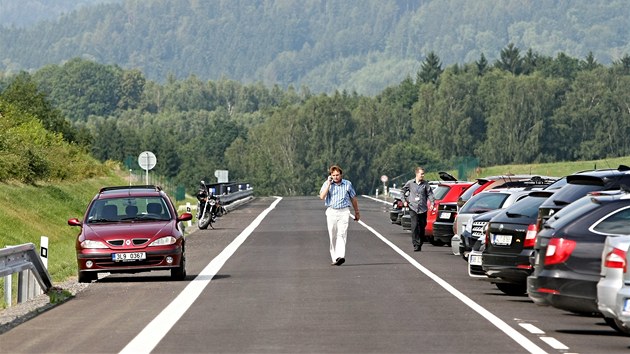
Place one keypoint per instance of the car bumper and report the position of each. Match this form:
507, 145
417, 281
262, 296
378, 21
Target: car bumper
569, 294
443, 231
512, 268
101, 260
607, 289
622, 309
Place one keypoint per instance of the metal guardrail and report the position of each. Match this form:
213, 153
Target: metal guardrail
229, 192
18, 259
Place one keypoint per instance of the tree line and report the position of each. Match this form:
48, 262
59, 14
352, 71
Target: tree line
522, 108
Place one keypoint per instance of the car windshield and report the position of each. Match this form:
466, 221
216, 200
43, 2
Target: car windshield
128, 209
484, 202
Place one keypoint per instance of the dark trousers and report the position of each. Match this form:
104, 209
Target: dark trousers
418, 224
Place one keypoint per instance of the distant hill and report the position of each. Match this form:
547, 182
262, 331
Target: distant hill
354, 45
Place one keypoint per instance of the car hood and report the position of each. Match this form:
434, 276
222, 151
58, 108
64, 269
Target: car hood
127, 230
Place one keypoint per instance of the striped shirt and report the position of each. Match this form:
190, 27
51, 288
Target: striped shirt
339, 195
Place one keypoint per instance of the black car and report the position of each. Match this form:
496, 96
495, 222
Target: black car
510, 243
569, 249
581, 183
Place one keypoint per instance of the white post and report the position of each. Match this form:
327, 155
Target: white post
7, 290
376, 192
188, 211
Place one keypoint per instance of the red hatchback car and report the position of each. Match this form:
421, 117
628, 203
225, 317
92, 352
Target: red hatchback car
130, 229
445, 192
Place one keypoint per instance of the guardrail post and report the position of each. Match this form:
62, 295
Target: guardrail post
22, 294
8, 290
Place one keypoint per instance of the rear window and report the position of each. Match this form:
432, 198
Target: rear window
469, 192
484, 202
617, 223
526, 207
571, 212
440, 192
572, 192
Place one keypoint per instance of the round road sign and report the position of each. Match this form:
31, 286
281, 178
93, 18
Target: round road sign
147, 160
384, 178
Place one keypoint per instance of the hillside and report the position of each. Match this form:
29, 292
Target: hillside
357, 45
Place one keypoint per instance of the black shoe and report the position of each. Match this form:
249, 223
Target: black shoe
336, 262
417, 248
340, 261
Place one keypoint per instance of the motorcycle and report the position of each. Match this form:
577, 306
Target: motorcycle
208, 207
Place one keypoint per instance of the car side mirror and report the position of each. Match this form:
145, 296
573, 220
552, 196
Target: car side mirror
74, 222
183, 217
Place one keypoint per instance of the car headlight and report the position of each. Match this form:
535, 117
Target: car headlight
93, 244
163, 241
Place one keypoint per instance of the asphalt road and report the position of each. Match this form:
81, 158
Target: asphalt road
261, 282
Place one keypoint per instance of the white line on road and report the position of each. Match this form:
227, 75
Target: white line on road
500, 324
153, 333
531, 328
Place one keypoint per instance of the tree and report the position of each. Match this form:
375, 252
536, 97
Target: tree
430, 70
511, 60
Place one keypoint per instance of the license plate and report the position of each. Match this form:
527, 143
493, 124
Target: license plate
626, 305
474, 259
129, 257
445, 215
502, 240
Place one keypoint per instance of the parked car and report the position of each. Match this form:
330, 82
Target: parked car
614, 266
486, 201
130, 229
569, 251
396, 210
474, 230
622, 301
445, 226
510, 239
581, 183
474, 261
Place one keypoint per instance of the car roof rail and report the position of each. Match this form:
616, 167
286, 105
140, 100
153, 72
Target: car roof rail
114, 188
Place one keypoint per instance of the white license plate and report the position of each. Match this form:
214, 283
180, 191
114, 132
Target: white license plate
626, 305
129, 257
502, 240
445, 215
474, 259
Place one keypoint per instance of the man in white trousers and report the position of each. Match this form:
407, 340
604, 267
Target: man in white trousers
338, 194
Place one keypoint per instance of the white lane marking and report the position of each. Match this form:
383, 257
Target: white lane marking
531, 328
375, 199
511, 332
554, 343
153, 333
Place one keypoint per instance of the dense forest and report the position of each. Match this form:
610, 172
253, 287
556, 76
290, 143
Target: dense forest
361, 46
522, 108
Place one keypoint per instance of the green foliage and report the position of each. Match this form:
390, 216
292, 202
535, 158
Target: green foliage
30, 153
363, 46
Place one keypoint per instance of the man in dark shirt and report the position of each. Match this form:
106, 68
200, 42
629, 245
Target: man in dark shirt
417, 192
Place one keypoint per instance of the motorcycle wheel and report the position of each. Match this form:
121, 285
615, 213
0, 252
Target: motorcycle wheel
205, 221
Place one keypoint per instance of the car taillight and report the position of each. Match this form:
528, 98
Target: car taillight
559, 250
616, 259
530, 236
399, 204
